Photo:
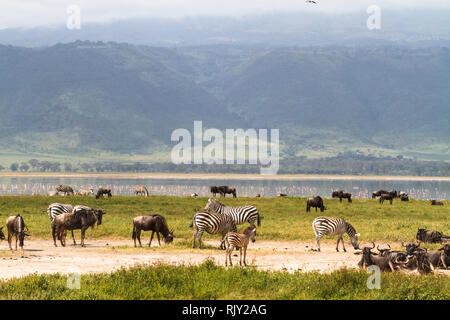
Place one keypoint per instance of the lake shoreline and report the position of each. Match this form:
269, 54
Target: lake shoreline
217, 176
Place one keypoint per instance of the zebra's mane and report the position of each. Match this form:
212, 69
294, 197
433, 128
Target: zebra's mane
351, 231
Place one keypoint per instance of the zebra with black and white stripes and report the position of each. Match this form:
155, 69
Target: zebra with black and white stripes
212, 223
238, 214
239, 241
325, 226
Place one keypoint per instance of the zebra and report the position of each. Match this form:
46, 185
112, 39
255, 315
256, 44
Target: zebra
334, 226
238, 240
238, 214
212, 223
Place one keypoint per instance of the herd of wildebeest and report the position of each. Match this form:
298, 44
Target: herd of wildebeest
217, 218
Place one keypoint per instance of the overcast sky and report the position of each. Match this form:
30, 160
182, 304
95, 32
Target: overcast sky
32, 13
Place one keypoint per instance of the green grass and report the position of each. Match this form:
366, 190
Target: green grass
282, 218
209, 281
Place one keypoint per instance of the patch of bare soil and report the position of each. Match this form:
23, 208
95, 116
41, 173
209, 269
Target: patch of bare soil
40, 256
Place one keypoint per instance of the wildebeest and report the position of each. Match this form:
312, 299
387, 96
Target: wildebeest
142, 190
386, 196
84, 192
16, 227
430, 236
396, 257
66, 189
436, 203
421, 257
2, 235
369, 259
315, 202
341, 194
80, 219
52, 193
223, 190
214, 190
155, 223
445, 256
378, 193
282, 195
102, 191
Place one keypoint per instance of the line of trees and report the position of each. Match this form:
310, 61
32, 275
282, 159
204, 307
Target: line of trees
342, 164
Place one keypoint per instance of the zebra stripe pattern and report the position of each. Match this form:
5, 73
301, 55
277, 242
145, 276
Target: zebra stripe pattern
238, 214
325, 226
55, 209
238, 240
212, 223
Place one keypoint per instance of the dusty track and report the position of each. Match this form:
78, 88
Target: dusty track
40, 256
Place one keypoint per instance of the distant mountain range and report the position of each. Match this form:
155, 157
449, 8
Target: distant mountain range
107, 100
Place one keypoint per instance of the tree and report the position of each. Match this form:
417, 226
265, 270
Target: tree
24, 167
14, 166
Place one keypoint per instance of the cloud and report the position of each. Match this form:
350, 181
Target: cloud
33, 13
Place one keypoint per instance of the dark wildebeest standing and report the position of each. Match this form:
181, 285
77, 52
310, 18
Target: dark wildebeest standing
315, 202
80, 219
214, 190
155, 223
436, 203
378, 193
102, 191
66, 189
16, 227
341, 194
223, 190
142, 190
386, 196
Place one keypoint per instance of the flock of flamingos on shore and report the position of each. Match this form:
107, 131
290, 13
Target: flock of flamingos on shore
187, 190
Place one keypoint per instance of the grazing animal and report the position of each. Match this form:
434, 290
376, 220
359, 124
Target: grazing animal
378, 193
445, 256
258, 195
315, 202
238, 240
282, 195
386, 196
80, 219
16, 227
325, 226
214, 190
194, 195
2, 235
424, 265
66, 189
369, 259
56, 209
436, 203
85, 192
341, 194
155, 223
142, 190
102, 191
404, 197
430, 236
223, 190
212, 223
432, 257
238, 214
52, 193
396, 257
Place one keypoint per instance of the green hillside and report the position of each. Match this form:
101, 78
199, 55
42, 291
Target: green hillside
113, 101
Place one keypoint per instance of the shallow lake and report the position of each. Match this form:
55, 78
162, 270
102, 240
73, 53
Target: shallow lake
267, 188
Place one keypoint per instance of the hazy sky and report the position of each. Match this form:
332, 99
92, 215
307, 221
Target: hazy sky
32, 13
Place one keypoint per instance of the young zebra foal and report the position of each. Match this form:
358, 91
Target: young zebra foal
238, 240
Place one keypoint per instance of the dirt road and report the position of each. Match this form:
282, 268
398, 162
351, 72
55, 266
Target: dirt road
40, 256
